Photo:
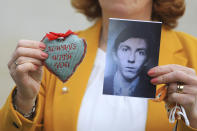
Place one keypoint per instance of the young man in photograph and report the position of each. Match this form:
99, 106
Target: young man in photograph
131, 54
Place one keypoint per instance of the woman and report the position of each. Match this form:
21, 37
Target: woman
79, 108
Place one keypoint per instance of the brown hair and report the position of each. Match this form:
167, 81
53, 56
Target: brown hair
167, 11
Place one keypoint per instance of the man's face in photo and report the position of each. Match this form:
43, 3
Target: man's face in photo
131, 55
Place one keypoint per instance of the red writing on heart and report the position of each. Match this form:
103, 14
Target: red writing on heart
62, 59
61, 65
69, 47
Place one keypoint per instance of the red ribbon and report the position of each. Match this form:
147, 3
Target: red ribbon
54, 36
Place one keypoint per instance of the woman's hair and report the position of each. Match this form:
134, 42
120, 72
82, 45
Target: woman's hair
166, 11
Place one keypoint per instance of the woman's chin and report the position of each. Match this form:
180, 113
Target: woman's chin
118, 11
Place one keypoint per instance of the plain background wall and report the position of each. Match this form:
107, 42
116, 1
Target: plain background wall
31, 19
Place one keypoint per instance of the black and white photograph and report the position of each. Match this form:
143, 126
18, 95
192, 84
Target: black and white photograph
132, 49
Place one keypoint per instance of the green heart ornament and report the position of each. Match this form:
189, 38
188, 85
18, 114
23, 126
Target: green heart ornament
65, 53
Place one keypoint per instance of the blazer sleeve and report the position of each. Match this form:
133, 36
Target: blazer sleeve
11, 120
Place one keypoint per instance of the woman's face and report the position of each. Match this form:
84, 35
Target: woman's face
131, 56
125, 7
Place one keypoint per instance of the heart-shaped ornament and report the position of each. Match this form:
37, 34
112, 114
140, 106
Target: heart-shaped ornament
65, 53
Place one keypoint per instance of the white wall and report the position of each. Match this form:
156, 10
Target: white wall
31, 19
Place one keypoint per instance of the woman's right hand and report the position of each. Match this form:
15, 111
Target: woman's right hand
25, 68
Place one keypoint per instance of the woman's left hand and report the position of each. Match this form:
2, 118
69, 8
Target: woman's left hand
173, 75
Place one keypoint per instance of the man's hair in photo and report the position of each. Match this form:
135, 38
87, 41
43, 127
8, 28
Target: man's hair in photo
136, 30
148, 31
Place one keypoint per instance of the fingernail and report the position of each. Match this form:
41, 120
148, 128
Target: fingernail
42, 46
151, 72
154, 80
44, 55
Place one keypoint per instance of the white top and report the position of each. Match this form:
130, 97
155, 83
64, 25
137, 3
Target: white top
100, 112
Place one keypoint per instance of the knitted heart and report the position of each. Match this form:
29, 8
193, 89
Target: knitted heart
65, 53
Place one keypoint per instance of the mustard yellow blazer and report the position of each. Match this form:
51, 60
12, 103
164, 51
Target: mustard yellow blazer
57, 111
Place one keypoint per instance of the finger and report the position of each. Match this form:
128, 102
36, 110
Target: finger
22, 70
31, 44
27, 52
160, 70
173, 77
188, 89
27, 44
23, 59
183, 99
25, 68
23, 79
